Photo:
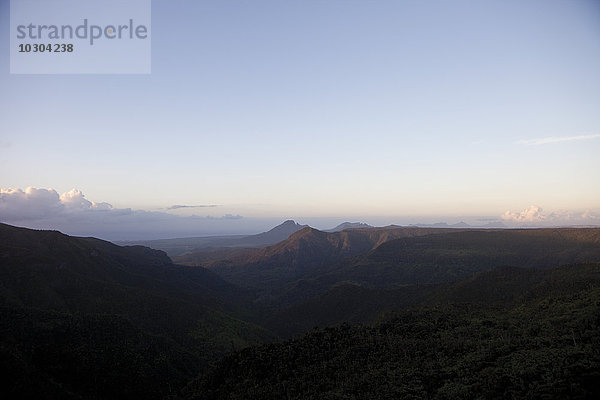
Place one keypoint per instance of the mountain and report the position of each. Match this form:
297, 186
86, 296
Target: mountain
494, 224
447, 256
310, 262
349, 225
466, 314
460, 224
275, 235
300, 254
124, 322
181, 246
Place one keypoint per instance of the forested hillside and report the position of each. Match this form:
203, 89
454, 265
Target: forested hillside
403, 313
541, 343
310, 262
82, 317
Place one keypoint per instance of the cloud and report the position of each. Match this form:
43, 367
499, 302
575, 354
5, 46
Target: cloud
535, 216
178, 206
74, 214
228, 216
547, 140
75, 199
31, 203
530, 214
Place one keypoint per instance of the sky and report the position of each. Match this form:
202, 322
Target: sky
322, 111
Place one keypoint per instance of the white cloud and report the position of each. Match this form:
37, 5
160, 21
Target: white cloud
31, 203
535, 216
34, 203
547, 140
75, 199
73, 214
530, 214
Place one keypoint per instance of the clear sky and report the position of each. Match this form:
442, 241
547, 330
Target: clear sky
325, 109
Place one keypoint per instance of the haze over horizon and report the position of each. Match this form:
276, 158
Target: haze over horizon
72, 213
379, 112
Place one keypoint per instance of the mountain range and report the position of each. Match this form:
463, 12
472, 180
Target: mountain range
348, 225
311, 261
180, 246
404, 312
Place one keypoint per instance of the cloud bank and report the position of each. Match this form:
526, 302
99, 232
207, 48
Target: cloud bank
33, 203
530, 214
547, 140
73, 214
535, 216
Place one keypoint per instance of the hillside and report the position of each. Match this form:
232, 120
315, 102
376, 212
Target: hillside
74, 296
470, 314
352, 303
300, 254
310, 262
451, 256
544, 346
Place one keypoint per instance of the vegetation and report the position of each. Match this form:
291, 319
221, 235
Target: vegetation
436, 313
546, 346
46, 354
311, 262
83, 317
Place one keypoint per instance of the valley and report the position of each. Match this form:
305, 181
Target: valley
441, 309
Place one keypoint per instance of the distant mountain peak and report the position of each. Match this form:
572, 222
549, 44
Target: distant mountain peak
289, 224
279, 233
349, 225
461, 224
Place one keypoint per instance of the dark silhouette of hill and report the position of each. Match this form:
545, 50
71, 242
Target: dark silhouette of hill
73, 296
471, 314
183, 246
54, 355
352, 303
545, 345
